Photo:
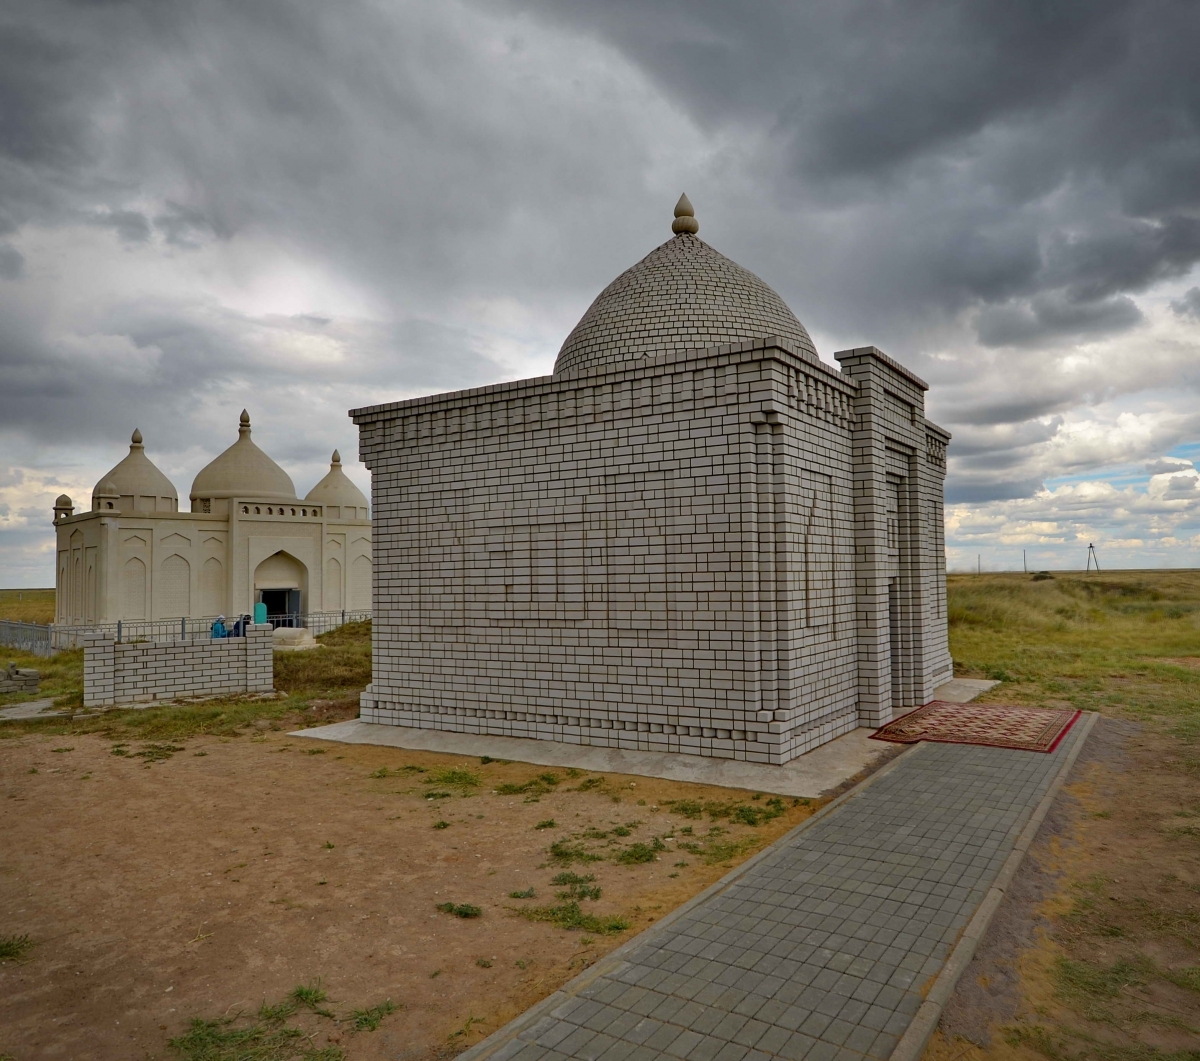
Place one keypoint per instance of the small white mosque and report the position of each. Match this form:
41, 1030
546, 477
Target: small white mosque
248, 539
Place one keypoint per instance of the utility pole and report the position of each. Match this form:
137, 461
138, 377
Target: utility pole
978, 564
1093, 557
1024, 565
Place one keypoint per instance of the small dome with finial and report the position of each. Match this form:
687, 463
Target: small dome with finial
336, 489
135, 485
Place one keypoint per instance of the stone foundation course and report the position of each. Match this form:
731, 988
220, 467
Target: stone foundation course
119, 673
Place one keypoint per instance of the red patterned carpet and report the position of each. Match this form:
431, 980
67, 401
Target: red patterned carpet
1031, 729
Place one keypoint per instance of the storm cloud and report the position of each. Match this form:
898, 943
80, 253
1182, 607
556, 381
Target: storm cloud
298, 208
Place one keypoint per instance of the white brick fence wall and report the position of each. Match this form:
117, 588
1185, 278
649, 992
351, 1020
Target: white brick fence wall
121, 673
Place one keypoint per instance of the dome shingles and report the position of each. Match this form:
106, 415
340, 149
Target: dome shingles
243, 470
683, 295
135, 484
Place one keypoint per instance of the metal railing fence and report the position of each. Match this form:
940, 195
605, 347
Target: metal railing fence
34, 638
128, 630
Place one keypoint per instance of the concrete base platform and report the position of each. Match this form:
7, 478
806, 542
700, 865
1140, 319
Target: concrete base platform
962, 690
809, 776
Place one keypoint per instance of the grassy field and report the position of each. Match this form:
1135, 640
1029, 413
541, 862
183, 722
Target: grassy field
1123, 643
1111, 968
27, 605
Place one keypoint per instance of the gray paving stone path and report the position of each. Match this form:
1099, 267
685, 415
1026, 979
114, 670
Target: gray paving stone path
820, 950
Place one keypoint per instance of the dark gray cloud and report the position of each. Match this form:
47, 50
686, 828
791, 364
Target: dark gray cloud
1167, 464
12, 262
1022, 147
1188, 305
1032, 321
214, 203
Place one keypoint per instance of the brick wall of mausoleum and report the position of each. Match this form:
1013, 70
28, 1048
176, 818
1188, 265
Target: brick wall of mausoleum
662, 555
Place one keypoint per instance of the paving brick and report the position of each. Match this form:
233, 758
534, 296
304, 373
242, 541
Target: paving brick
841, 998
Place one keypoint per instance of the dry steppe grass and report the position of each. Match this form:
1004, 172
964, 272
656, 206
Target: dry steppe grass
1110, 967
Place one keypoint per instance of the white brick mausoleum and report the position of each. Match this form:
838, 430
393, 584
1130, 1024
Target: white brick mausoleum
695, 536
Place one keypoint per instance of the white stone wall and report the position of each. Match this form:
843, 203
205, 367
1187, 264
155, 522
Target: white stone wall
660, 557
167, 565
122, 673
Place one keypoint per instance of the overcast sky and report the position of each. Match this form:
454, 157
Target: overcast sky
300, 208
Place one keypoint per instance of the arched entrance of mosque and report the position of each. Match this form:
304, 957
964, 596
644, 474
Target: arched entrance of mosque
281, 583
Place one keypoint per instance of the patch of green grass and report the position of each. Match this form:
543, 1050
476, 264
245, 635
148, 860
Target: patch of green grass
308, 995
1074, 978
571, 917
640, 852
278, 1012
535, 786
483, 963
549, 823
441, 825
741, 813
455, 776
590, 784
564, 853
343, 665
577, 887
367, 1020
61, 677
224, 1040
465, 910
14, 948
152, 753
528, 893
438, 795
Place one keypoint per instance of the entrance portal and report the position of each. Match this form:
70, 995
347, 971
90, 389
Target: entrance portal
279, 584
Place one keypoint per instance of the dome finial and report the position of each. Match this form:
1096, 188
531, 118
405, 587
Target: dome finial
244, 425
685, 217
135, 439
337, 457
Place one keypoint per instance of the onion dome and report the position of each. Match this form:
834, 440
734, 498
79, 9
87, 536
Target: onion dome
135, 485
338, 491
243, 470
682, 296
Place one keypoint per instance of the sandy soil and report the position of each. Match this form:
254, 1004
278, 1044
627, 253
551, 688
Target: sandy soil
1114, 877
236, 869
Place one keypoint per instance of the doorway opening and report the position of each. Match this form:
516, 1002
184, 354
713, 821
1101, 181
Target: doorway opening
283, 606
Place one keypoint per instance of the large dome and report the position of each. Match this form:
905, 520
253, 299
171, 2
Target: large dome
682, 296
243, 470
135, 485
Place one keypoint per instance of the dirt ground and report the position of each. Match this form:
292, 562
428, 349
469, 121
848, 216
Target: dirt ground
162, 885
1095, 952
